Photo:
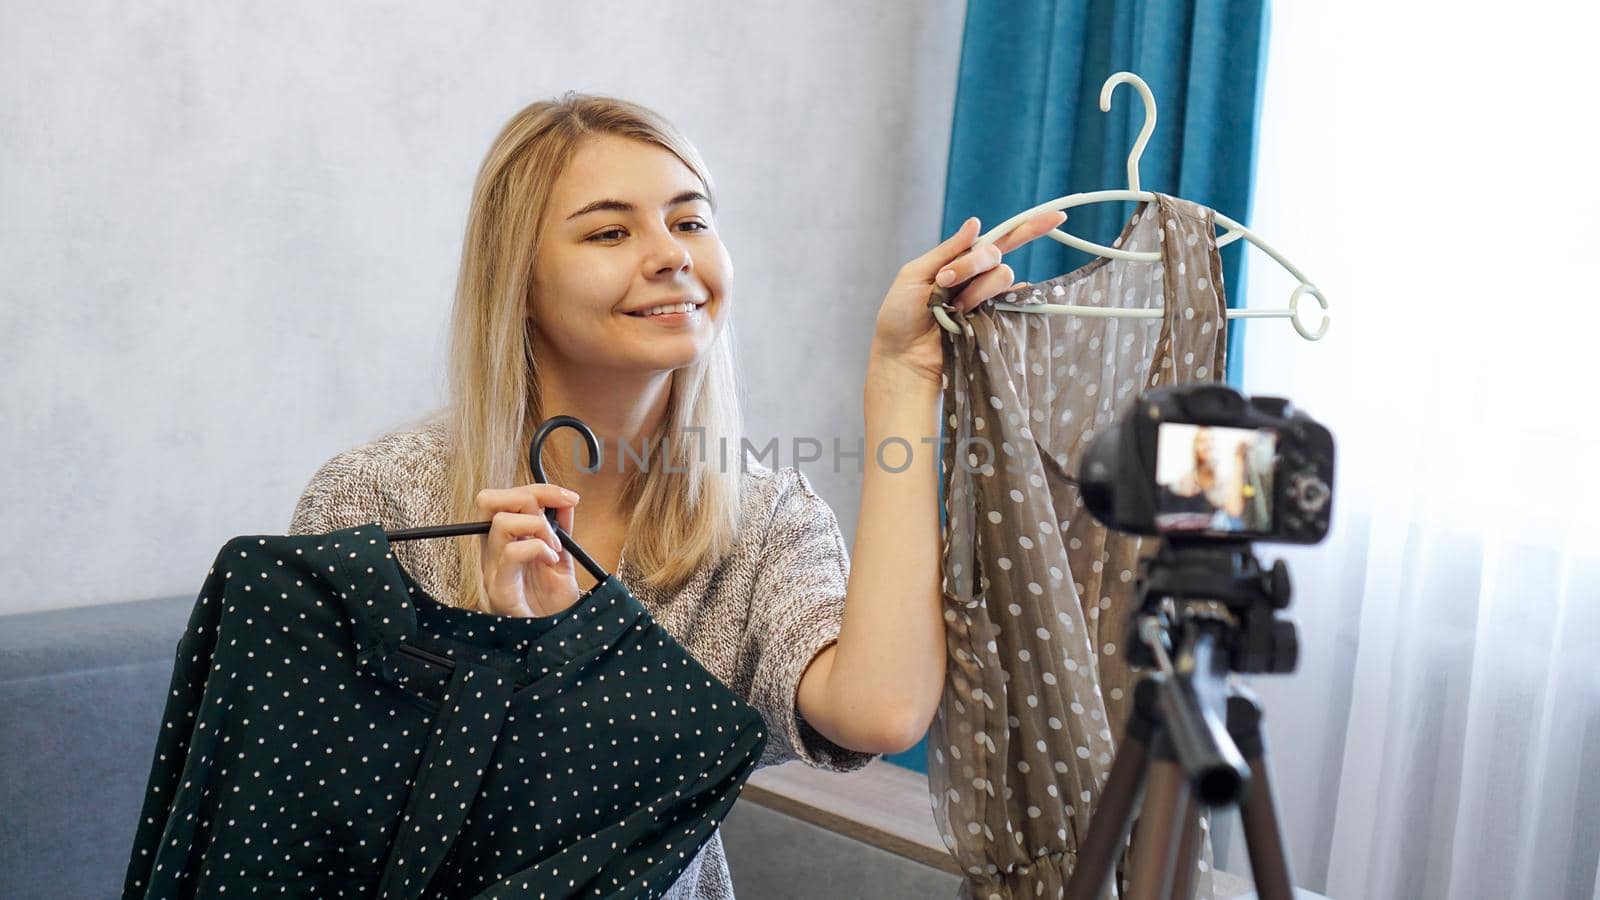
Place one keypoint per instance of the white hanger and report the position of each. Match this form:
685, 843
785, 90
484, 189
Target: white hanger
1234, 231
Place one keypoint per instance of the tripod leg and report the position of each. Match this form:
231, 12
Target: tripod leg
1263, 836
1102, 846
1155, 840
1113, 812
1189, 850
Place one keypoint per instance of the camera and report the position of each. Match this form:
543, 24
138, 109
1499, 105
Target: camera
1204, 464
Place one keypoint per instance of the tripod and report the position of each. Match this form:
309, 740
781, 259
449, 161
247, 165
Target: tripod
1195, 735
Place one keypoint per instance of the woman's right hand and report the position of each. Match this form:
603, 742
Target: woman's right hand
526, 571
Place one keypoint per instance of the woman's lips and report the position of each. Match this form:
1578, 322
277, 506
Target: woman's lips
672, 317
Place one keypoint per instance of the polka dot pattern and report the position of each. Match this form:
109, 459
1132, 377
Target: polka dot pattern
1037, 594
332, 730
756, 618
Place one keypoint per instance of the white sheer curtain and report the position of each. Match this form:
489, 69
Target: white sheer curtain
1432, 168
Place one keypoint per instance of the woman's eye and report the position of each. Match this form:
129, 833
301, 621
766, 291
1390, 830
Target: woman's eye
617, 234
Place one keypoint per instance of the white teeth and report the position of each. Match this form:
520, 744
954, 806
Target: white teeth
674, 308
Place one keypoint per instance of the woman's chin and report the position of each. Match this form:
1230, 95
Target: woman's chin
685, 339
674, 353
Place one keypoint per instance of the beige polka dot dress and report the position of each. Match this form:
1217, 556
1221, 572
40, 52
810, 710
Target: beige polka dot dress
1037, 593
332, 730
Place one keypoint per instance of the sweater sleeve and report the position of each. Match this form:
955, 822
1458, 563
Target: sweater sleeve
796, 609
397, 481
342, 493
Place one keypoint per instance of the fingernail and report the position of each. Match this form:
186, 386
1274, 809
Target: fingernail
570, 495
946, 278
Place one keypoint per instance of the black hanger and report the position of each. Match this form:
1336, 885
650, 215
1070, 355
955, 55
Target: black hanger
535, 462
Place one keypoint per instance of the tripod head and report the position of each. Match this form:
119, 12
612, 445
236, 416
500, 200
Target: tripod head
1253, 639
1207, 609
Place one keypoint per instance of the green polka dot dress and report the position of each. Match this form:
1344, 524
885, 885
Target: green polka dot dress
334, 731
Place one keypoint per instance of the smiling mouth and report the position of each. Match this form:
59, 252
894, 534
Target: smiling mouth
671, 309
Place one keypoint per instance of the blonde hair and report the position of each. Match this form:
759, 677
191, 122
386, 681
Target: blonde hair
684, 512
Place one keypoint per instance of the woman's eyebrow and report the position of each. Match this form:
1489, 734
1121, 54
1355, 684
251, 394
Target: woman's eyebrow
619, 206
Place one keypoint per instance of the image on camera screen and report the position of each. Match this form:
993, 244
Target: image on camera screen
1212, 478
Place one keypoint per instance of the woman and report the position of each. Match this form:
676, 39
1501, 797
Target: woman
593, 283
1204, 489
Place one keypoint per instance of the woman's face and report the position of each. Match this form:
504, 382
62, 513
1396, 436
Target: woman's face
628, 229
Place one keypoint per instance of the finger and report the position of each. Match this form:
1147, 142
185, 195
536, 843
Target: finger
531, 552
985, 258
507, 528
990, 284
969, 266
528, 504
928, 264
528, 498
566, 516
1038, 225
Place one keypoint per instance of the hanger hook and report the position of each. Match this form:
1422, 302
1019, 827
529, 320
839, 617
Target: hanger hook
536, 463
1149, 118
536, 449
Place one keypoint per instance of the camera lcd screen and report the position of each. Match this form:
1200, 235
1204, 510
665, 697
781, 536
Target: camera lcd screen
1214, 479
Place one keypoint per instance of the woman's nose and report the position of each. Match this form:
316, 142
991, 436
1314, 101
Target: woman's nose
668, 256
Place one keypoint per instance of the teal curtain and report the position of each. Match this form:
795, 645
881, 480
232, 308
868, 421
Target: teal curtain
1028, 126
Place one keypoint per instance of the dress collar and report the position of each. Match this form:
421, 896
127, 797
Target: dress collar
382, 600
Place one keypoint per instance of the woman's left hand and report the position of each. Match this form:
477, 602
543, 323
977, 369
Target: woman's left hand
907, 332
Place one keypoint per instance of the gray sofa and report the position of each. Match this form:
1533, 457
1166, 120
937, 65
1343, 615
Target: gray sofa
82, 692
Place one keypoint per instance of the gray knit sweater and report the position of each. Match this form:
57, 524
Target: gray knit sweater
755, 620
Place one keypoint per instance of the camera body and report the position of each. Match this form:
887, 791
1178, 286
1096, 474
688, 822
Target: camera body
1204, 464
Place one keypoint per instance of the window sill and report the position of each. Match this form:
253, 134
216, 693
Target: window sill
882, 805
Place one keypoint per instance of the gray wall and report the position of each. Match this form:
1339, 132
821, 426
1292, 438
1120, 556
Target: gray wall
229, 235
